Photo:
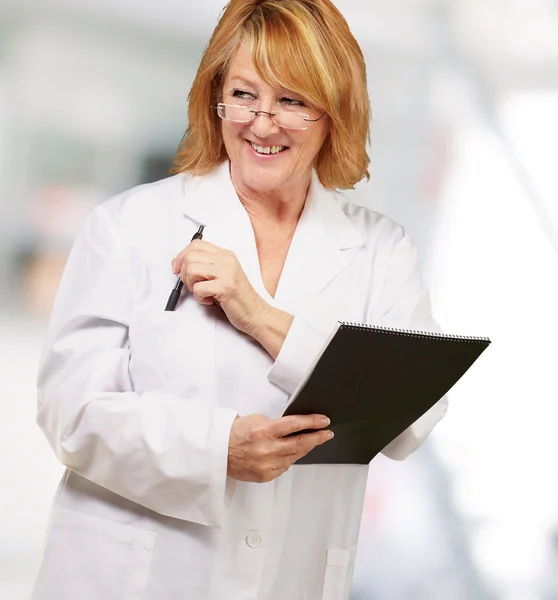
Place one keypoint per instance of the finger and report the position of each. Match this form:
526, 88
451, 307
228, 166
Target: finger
208, 249
204, 292
191, 256
293, 423
176, 264
204, 245
192, 273
301, 444
196, 246
201, 246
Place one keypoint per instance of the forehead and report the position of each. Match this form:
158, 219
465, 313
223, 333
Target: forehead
241, 67
242, 70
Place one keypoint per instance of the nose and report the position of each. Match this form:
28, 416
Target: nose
263, 125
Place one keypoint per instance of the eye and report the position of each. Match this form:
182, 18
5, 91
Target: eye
242, 95
291, 102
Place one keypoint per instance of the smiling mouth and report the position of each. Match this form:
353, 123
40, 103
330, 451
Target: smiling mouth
267, 150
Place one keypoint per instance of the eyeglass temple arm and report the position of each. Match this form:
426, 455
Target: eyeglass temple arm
315, 120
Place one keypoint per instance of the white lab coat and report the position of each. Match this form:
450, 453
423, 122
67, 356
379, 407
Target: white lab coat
138, 402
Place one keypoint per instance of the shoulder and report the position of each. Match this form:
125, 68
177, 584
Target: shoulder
375, 228
139, 211
147, 200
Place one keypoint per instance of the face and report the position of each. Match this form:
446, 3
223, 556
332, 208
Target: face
251, 168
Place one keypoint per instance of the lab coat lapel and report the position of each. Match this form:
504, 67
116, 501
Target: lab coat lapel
211, 200
323, 246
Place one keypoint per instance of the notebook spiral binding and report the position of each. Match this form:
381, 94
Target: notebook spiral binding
415, 332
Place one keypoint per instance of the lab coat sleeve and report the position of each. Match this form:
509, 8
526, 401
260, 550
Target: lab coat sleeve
164, 452
405, 304
302, 345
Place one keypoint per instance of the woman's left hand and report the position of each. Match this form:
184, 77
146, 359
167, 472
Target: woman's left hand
214, 274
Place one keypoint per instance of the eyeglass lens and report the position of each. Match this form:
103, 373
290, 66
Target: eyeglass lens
244, 114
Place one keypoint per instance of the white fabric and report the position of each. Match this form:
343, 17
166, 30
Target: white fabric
138, 402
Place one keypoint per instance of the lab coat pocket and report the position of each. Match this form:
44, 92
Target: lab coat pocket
91, 558
338, 574
173, 351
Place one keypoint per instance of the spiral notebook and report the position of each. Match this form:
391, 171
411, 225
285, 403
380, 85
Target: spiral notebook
374, 382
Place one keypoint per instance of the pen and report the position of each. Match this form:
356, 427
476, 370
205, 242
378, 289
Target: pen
175, 294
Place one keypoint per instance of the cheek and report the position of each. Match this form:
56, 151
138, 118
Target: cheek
225, 131
237, 129
231, 133
312, 144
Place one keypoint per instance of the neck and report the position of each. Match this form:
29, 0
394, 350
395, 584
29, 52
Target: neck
281, 207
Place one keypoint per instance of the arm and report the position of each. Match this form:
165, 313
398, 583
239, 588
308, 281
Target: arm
294, 342
404, 303
271, 329
155, 449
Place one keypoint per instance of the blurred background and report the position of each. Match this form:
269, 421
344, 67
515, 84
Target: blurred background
464, 154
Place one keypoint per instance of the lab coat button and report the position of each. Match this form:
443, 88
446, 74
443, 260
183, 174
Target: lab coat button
254, 539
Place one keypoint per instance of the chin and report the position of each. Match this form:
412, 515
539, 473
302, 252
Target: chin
262, 179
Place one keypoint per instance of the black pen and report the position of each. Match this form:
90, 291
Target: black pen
175, 294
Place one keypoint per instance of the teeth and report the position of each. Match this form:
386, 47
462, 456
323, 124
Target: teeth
267, 149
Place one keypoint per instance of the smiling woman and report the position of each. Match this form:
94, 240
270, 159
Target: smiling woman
304, 52
274, 149
181, 477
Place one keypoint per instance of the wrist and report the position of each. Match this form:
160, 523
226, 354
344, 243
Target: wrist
270, 328
261, 313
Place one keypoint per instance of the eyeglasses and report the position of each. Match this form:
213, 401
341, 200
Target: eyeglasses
281, 118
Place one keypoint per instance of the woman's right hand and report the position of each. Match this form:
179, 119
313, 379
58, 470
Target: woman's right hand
258, 450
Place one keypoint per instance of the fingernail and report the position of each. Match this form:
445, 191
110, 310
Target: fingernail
330, 434
325, 421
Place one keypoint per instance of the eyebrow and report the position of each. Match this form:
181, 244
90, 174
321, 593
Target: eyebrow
240, 79
243, 80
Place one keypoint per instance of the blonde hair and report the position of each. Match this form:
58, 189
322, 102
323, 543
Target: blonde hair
304, 46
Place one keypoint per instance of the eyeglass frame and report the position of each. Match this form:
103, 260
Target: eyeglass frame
269, 114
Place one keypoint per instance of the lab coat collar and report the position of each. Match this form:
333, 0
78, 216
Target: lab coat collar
212, 198
320, 248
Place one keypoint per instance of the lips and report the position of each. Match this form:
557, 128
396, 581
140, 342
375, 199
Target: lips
267, 150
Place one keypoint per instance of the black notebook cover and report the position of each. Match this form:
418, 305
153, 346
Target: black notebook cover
374, 382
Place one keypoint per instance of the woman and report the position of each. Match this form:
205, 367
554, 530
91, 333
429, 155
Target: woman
179, 481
